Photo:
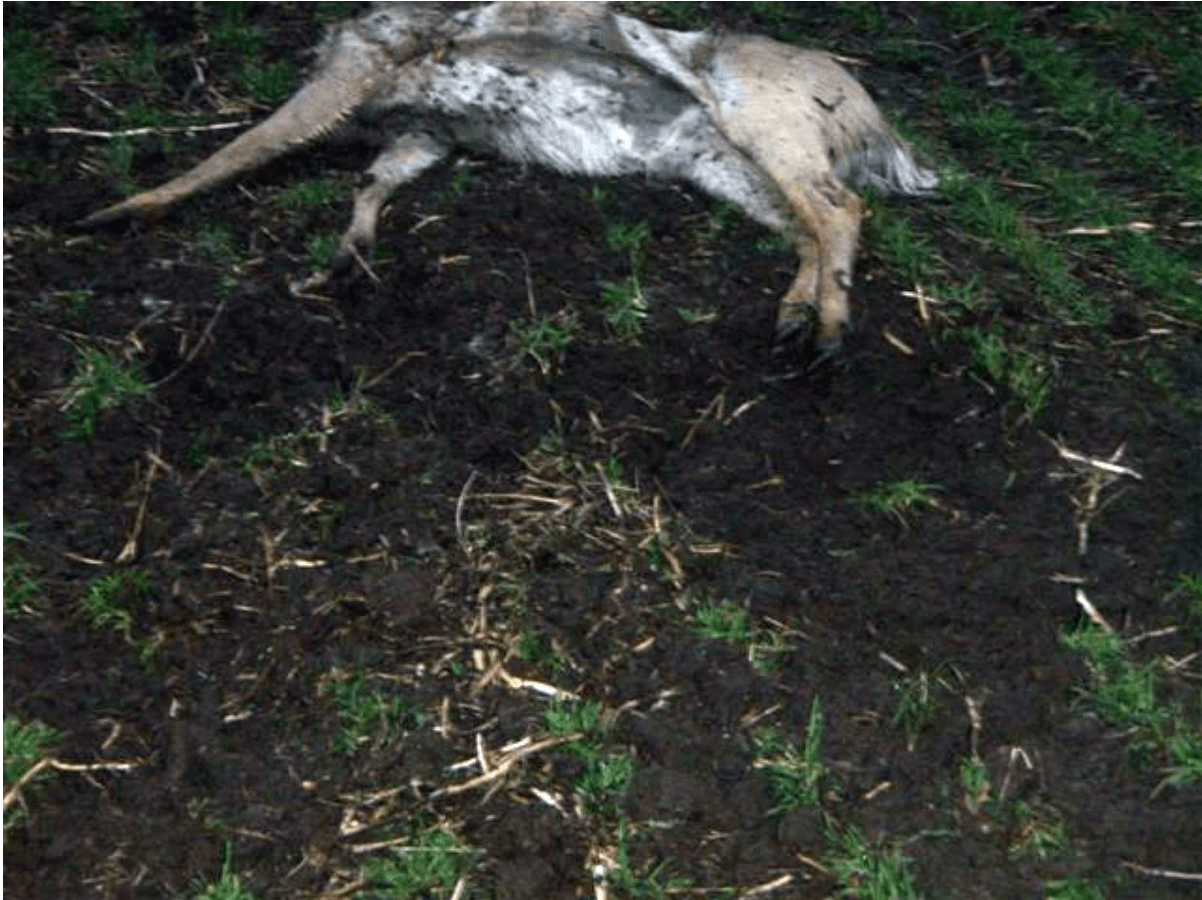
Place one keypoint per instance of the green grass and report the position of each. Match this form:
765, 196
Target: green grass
680, 16
1076, 103
314, 193
1121, 691
228, 886
1103, 111
629, 238
1017, 368
214, 243
1063, 190
606, 774
111, 600
1187, 595
623, 303
604, 781
1185, 758
461, 177
909, 251
724, 217
1172, 40
29, 94
1073, 889
984, 211
110, 20
1038, 836
271, 83
230, 32
583, 718
1152, 265
650, 884
1034, 832
916, 705
77, 306
537, 649
729, 622
725, 621
101, 382
25, 745
1128, 695
898, 499
795, 773
867, 871
545, 339
367, 716
140, 65
322, 250
22, 592
119, 163
121, 601
701, 315
430, 867
624, 308
864, 17
279, 452
976, 784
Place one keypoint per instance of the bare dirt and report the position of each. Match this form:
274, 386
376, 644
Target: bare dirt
443, 506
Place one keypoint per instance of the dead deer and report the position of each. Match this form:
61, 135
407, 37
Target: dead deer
777, 130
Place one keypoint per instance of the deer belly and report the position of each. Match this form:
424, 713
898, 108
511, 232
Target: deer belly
584, 114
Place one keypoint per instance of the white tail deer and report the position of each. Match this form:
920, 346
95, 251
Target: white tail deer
775, 129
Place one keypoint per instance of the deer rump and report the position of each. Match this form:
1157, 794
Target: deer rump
777, 130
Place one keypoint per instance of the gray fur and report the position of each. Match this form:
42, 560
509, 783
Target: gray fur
583, 90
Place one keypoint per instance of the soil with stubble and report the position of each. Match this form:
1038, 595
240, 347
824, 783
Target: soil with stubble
373, 478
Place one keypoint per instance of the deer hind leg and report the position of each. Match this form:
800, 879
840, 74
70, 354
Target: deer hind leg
342, 84
819, 215
800, 301
726, 173
403, 160
829, 217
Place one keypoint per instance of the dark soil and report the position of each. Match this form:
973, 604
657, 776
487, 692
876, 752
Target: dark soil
443, 506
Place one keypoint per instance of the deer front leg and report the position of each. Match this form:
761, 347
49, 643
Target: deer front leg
403, 160
820, 216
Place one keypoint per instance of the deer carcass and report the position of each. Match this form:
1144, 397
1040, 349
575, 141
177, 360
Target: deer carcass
777, 130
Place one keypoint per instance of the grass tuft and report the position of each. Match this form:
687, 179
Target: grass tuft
867, 871
228, 886
21, 589
432, 866
29, 95
101, 382
795, 773
368, 716
606, 774
1127, 694
898, 499
25, 745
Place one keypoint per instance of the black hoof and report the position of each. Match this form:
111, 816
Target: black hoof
107, 217
342, 263
799, 352
825, 354
796, 332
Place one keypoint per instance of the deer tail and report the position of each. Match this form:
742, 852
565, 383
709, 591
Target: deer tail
886, 163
